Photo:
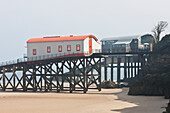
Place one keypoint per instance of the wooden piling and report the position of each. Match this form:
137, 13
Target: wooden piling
24, 79
125, 68
112, 62
131, 67
105, 69
4, 77
14, 80
128, 67
118, 69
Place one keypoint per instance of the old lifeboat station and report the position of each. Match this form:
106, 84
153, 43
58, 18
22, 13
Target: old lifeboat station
62, 45
59, 63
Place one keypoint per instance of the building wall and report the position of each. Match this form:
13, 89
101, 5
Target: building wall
41, 47
134, 45
120, 48
107, 46
86, 45
148, 39
96, 47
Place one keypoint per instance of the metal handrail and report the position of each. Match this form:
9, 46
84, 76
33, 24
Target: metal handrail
43, 57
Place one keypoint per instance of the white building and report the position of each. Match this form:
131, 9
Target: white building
62, 45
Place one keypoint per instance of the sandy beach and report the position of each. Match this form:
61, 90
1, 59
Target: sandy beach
106, 101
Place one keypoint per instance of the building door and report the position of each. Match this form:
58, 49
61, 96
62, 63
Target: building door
90, 45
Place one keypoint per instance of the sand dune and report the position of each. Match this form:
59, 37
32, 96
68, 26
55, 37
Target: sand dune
106, 101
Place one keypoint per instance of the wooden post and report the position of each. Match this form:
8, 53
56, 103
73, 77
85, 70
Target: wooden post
135, 65
143, 65
125, 68
34, 79
14, 76
74, 72
4, 87
100, 75
87, 73
45, 79
138, 68
24, 79
105, 69
118, 69
51, 78
84, 75
57, 79
41, 83
131, 67
63, 77
112, 68
128, 67
70, 77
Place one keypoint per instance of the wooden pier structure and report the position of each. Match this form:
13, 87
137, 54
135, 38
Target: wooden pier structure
58, 74
71, 73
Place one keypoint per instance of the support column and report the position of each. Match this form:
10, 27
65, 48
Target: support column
134, 59
45, 79
84, 75
125, 68
74, 72
57, 79
34, 79
14, 80
112, 68
105, 69
100, 75
131, 68
24, 79
143, 65
41, 80
51, 78
118, 69
63, 77
128, 67
70, 76
4, 82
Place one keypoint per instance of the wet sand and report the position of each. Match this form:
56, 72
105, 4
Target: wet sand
106, 101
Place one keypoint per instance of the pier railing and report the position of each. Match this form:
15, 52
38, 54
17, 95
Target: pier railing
50, 56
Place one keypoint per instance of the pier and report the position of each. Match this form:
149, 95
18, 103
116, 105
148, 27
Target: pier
71, 73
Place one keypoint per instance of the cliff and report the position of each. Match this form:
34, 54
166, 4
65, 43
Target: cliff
157, 79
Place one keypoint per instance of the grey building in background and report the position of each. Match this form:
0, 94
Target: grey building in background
120, 44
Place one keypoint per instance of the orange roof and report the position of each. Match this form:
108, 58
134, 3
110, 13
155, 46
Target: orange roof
60, 38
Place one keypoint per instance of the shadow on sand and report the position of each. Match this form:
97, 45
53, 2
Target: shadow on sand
143, 104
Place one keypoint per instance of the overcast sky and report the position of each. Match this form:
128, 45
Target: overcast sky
21, 20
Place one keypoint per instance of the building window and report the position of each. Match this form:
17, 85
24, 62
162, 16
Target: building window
34, 52
48, 49
78, 47
60, 48
103, 42
68, 47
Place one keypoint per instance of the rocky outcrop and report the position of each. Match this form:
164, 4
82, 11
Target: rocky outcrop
108, 84
152, 85
167, 108
156, 82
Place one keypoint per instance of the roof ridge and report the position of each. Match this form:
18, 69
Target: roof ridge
61, 38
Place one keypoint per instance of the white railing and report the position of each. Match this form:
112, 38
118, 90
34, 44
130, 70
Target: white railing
50, 56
